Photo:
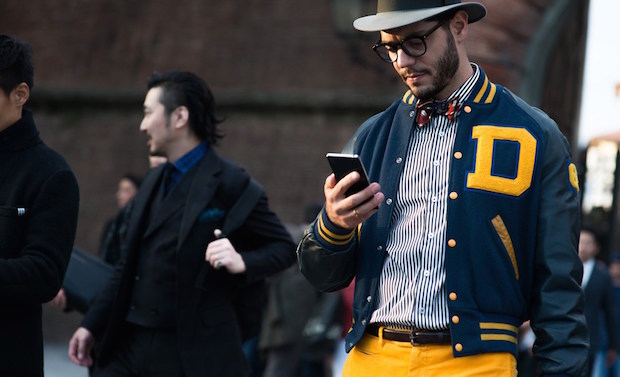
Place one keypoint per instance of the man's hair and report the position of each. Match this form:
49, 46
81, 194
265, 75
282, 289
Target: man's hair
15, 64
595, 234
133, 178
186, 89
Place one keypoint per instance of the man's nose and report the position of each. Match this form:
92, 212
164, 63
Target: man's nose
403, 59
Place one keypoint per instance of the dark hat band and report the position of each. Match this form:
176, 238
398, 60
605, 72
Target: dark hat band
398, 5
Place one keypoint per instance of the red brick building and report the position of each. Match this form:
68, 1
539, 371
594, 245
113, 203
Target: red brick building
293, 79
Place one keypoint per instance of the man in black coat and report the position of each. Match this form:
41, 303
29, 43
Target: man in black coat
176, 305
38, 218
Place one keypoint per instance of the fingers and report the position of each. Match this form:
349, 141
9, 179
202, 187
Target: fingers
348, 212
222, 254
73, 351
218, 253
80, 347
60, 301
340, 187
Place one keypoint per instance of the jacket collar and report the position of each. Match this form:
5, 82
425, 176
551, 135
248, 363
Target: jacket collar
201, 191
484, 92
22, 134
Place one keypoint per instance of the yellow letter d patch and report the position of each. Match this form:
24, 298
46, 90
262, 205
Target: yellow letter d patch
524, 158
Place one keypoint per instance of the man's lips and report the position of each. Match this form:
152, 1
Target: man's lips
415, 75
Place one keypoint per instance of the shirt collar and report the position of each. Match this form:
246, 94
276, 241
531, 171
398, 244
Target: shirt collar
465, 90
189, 159
588, 267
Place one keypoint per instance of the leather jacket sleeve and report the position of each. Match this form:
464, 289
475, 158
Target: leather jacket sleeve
326, 268
556, 305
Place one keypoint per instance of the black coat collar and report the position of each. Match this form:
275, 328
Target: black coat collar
22, 134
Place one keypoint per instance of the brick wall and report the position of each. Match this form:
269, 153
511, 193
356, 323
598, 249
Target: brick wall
293, 83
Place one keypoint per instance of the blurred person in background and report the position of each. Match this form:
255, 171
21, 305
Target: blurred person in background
290, 303
600, 306
113, 231
614, 272
116, 227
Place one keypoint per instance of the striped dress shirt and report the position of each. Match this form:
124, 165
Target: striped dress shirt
412, 290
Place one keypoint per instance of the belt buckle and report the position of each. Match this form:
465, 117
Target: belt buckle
413, 336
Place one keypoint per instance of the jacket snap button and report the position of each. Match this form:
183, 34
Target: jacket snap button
452, 242
458, 347
454, 195
452, 296
455, 319
369, 298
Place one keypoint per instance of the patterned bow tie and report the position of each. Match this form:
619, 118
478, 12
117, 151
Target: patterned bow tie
426, 110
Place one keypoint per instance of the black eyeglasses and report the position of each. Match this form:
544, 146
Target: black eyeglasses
414, 46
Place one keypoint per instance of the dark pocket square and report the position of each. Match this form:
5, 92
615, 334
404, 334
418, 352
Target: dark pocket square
211, 214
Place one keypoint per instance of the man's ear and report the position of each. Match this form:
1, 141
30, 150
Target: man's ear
180, 116
459, 25
20, 94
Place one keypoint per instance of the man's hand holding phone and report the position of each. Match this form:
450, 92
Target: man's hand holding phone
345, 205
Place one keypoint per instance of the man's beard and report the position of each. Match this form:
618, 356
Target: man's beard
447, 66
157, 151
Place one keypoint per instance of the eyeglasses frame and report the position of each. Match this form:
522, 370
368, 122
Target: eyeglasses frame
410, 37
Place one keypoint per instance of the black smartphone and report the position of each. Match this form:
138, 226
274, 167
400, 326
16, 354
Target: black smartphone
343, 164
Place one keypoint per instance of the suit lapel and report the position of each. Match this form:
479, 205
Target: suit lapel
168, 206
203, 186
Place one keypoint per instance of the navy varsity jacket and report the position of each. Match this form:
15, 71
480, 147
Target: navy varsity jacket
512, 229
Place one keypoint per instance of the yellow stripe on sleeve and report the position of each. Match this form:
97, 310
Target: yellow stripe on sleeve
333, 238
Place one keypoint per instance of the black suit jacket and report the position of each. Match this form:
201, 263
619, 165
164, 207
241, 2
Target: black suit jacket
599, 306
208, 333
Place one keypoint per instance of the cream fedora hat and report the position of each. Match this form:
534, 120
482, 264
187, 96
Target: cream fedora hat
396, 13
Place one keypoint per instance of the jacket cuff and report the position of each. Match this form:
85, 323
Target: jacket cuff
330, 235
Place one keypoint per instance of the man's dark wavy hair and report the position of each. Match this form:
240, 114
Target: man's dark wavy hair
181, 88
15, 64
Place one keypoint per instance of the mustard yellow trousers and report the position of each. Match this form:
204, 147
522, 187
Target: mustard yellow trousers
375, 357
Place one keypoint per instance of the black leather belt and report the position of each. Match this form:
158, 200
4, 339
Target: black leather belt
417, 337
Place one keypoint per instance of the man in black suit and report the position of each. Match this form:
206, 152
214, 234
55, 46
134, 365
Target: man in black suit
175, 304
599, 299
38, 217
